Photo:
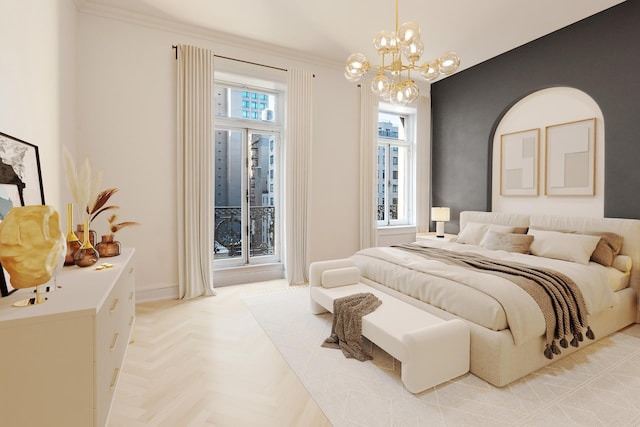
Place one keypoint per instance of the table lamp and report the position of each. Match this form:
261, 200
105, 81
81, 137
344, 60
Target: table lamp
440, 215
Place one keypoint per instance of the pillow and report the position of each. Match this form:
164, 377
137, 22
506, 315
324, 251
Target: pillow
622, 263
473, 232
565, 246
510, 242
608, 247
340, 277
617, 280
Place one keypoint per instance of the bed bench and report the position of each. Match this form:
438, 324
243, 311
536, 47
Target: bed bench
431, 350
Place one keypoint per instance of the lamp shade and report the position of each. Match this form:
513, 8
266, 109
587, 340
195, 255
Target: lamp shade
440, 214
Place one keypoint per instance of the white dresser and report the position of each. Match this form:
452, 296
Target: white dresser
60, 360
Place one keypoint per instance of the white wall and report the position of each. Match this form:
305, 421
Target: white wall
126, 116
540, 109
37, 82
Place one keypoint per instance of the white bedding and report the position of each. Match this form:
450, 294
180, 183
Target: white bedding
482, 298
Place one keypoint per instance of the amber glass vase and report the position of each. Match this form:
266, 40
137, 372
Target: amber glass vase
93, 236
87, 255
73, 243
108, 247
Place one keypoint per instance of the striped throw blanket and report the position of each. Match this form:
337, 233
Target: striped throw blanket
558, 297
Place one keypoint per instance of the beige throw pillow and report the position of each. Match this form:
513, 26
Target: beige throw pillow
509, 242
608, 247
473, 232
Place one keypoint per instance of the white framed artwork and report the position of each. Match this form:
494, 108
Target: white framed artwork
519, 163
570, 158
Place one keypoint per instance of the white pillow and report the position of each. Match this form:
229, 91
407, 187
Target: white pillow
622, 263
340, 277
565, 246
473, 232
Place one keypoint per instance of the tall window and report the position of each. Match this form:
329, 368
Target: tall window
396, 145
247, 175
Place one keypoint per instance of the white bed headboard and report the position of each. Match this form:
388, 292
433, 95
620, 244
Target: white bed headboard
629, 229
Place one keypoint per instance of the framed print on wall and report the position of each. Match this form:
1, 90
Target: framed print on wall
571, 158
519, 163
20, 166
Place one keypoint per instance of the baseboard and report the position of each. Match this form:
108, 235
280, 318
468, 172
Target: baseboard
221, 277
247, 274
157, 294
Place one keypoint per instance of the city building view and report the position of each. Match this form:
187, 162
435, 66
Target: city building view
245, 198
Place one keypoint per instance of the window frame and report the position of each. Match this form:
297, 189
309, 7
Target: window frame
252, 126
409, 143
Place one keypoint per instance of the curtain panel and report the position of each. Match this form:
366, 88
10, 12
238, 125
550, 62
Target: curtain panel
195, 171
297, 173
368, 168
423, 165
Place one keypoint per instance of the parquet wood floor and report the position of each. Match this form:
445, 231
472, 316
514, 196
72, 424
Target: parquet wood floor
207, 362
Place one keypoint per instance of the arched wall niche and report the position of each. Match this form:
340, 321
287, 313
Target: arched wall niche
538, 110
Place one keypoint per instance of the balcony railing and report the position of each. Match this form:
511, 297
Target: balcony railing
393, 212
228, 231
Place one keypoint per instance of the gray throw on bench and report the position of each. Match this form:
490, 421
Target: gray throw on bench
346, 329
558, 296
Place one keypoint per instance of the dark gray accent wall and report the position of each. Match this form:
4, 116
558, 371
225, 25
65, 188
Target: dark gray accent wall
599, 55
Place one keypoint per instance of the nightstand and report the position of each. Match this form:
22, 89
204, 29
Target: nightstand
432, 236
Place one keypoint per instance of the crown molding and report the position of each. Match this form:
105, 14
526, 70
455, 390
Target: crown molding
192, 30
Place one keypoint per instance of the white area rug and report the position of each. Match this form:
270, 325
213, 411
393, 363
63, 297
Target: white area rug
597, 386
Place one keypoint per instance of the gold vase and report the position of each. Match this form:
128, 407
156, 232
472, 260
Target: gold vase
87, 255
73, 243
93, 236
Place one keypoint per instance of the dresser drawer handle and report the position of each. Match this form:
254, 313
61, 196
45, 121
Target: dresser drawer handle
114, 378
114, 342
131, 295
114, 305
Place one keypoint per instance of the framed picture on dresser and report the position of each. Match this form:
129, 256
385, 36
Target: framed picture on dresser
5, 285
20, 166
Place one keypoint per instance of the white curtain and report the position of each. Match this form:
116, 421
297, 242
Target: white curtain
195, 171
423, 164
368, 168
297, 171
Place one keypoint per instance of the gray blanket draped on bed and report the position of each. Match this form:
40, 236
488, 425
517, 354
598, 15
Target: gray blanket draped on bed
558, 297
346, 329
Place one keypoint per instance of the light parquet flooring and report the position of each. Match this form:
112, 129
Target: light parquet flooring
207, 362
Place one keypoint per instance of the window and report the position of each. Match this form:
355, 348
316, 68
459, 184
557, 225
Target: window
396, 145
247, 175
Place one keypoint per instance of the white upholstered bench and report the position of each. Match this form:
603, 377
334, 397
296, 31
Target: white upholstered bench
432, 350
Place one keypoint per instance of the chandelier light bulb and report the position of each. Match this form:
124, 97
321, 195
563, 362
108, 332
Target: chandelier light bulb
413, 51
409, 32
380, 84
357, 65
396, 96
411, 92
449, 63
385, 42
431, 70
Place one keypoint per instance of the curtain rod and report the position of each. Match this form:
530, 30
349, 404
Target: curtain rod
175, 47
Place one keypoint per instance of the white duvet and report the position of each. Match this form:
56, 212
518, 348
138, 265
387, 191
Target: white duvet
482, 298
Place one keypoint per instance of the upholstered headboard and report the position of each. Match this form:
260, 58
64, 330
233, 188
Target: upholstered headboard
627, 228
500, 218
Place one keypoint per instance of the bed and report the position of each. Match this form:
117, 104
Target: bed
509, 334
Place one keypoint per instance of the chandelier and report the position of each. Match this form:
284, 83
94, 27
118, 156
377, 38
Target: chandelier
390, 82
